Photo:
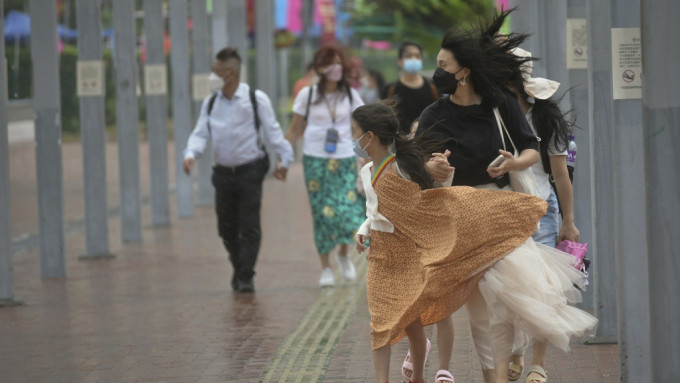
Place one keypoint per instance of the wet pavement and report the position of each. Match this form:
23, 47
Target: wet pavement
163, 311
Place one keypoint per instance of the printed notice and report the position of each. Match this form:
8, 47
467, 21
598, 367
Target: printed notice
90, 78
201, 86
155, 80
577, 44
626, 63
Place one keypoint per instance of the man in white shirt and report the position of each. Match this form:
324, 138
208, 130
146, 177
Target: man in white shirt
233, 119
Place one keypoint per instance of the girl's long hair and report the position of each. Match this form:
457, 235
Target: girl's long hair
381, 119
491, 63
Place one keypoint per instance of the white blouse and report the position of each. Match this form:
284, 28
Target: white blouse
375, 220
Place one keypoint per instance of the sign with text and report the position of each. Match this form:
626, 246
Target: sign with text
626, 63
200, 86
577, 44
90, 78
155, 80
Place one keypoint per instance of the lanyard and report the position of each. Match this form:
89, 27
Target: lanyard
383, 165
328, 105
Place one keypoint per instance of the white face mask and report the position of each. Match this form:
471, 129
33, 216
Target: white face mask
216, 82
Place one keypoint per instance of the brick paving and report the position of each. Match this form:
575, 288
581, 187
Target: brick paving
163, 310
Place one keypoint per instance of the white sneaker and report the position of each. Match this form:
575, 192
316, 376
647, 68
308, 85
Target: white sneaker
348, 270
327, 279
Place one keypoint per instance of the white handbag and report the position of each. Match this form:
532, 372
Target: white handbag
522, 181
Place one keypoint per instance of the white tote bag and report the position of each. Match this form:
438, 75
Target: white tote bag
522, 181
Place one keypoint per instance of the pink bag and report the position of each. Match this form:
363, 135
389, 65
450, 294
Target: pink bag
576, 249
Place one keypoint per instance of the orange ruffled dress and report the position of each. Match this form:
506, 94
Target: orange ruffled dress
443, 243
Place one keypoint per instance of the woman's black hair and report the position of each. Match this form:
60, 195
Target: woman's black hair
491, 63
377, 76
549, 121
381, 119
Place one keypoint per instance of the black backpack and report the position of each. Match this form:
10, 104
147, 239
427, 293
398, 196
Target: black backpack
253, 103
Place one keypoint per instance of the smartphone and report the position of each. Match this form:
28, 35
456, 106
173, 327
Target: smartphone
497, 162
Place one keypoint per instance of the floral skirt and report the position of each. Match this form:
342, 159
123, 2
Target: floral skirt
337, 209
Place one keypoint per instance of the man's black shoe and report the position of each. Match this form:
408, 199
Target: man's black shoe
246, 286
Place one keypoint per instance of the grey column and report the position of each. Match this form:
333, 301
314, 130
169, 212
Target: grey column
578, 95
157, 116
307, 17
93, 135
127, 120
201, 56
237, 29
630, 250
219, 25
266, 59
6, 275
181, 102
527, 19
661, 116
555, 43
603, 272
49, 169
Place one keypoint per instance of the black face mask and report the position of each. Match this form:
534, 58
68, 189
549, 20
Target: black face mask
444, 81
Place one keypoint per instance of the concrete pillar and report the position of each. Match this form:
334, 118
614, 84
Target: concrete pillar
661, 117
527, 19
555, 42
46, 103
237, 30
266, 59
91, 87
6, 275
603, 272
578, 96
127, 120
156, 91
201, 69
307, 18
630, 244
219, 25
181, 103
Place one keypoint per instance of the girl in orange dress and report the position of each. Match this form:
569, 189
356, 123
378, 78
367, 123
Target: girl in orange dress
429, 247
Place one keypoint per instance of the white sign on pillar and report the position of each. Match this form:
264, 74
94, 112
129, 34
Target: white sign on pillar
155, 80
90, 78
200, 86
626, 63
577, 44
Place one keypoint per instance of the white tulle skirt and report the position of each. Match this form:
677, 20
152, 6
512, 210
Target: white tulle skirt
531, 289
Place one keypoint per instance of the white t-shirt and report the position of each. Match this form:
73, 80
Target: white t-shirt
542, 178
319, 121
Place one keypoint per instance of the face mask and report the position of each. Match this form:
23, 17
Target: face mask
412, 65
215, 82
358, 150
444, 81
333, 72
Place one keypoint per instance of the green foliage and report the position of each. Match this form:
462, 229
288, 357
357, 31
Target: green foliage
424, 21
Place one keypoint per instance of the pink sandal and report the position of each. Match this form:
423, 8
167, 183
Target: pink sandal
443, 376
408, 365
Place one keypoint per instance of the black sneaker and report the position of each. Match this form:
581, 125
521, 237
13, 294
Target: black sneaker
246, 286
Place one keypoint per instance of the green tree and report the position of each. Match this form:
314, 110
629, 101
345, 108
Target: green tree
424, 21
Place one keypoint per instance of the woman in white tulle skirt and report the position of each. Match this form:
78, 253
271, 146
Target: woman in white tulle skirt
530, 289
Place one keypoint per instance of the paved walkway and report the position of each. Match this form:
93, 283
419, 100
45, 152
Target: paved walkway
163, 311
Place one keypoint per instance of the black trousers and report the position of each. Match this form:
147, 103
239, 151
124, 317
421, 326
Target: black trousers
238, 197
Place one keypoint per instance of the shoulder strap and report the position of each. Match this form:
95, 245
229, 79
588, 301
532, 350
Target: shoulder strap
253, 102
349, 94
211, 103
501, 128
391, 90
309, 101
